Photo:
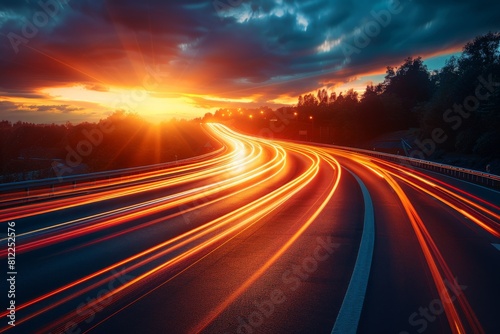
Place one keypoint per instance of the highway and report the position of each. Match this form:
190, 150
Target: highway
266, 236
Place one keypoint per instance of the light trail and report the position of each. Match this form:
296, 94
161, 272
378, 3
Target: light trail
435, 261
251, 180
65, 203
309, 219
85, 187
476, 210
449, 190
127, 214
257, 210
240, 218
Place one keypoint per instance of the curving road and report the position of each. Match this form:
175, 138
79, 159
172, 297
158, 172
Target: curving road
265, 237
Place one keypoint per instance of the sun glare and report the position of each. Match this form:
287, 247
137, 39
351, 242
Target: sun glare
154, 108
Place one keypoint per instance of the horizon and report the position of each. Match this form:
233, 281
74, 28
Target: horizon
80, 62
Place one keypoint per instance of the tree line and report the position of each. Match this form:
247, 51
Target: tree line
452, 109
122, 140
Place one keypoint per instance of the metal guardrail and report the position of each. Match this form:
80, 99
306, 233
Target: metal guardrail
74, 179
473, 176
477, 177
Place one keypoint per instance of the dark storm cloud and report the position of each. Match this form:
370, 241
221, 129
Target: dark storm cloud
279, 46
258, 46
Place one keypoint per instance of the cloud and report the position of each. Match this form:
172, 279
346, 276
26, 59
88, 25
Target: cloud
264, 49
61, 108
96, 87
13, 112
8, 106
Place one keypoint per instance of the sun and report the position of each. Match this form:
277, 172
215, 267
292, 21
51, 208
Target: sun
150, 105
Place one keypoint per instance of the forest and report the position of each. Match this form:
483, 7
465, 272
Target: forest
122, 140
430, 114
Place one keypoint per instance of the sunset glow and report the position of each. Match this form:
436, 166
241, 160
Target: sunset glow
86, 60
250, 166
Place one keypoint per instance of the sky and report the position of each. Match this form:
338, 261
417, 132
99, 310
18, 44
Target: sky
71, 60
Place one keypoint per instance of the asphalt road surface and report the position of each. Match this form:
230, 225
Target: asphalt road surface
265, 237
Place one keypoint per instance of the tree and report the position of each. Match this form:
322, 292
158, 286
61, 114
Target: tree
323, 97
300, 102
372, 114
310, 101
309, 104
411, 82
333, 98
455, 82
481, 54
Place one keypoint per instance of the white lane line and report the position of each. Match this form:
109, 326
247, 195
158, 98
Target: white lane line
350, 311
497, 246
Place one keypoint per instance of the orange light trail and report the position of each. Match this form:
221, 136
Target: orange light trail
491, 227
257, 274
243, 165
257, 210
435, 261
195, 240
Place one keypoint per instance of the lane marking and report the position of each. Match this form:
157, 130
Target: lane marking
350, 311
497, 246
